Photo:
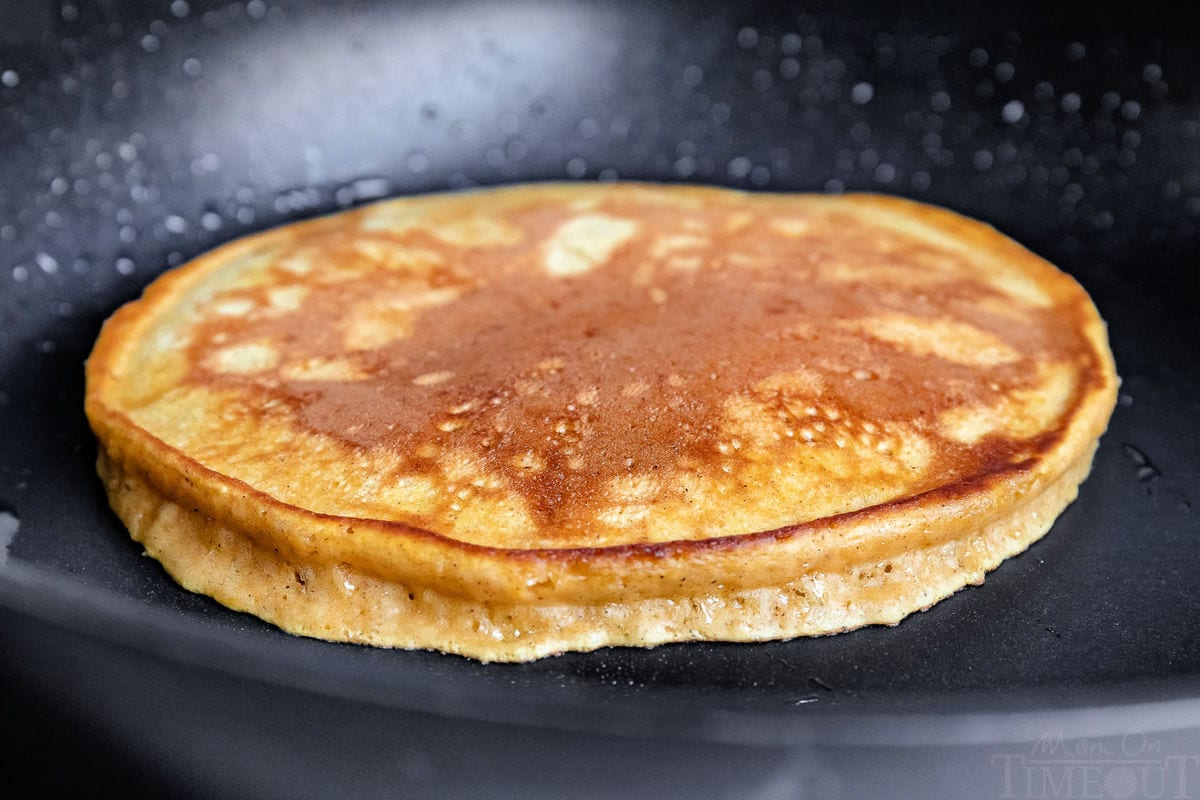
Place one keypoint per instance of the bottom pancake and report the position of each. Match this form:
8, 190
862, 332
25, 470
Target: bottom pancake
835, 591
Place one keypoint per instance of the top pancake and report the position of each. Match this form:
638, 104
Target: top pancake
590, 365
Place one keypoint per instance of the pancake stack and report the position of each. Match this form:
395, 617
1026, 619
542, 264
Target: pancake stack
521, 421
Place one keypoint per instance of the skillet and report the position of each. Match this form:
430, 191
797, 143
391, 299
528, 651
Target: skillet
137, 135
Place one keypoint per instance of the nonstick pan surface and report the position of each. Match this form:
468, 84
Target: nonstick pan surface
134, 136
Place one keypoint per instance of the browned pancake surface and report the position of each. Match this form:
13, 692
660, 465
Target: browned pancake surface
566, 365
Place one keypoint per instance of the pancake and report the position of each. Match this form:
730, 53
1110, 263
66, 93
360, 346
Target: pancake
520, 421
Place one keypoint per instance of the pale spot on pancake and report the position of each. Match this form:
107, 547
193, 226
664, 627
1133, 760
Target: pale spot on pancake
244, 358
750, 419
286, 298
506, 515
478, 232
170, 339
666, 245
236, 307
1021, 287
844, 272
791, 226
393, 255
635, 489
527, 387
433, 378
324, 369
798, 382
659, 296
624, 515
685, 263
396, 216
298, 263
314, 263
690, 484
738, 222
589, 396
530, 462
465, 407
967, 424
553, 364
912, 450
584, 243
414, 493
377, 322
462, 466
488, 481
951, 340
635, 389
373, 332
376, 465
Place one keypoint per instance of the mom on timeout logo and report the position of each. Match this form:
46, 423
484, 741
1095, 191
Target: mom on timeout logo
1124, 768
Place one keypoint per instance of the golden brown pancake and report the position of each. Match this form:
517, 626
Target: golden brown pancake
521, 421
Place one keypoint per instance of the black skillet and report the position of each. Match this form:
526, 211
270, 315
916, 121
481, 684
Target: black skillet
134, 136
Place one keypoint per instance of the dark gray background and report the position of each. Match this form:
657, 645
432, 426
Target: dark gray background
134, 136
